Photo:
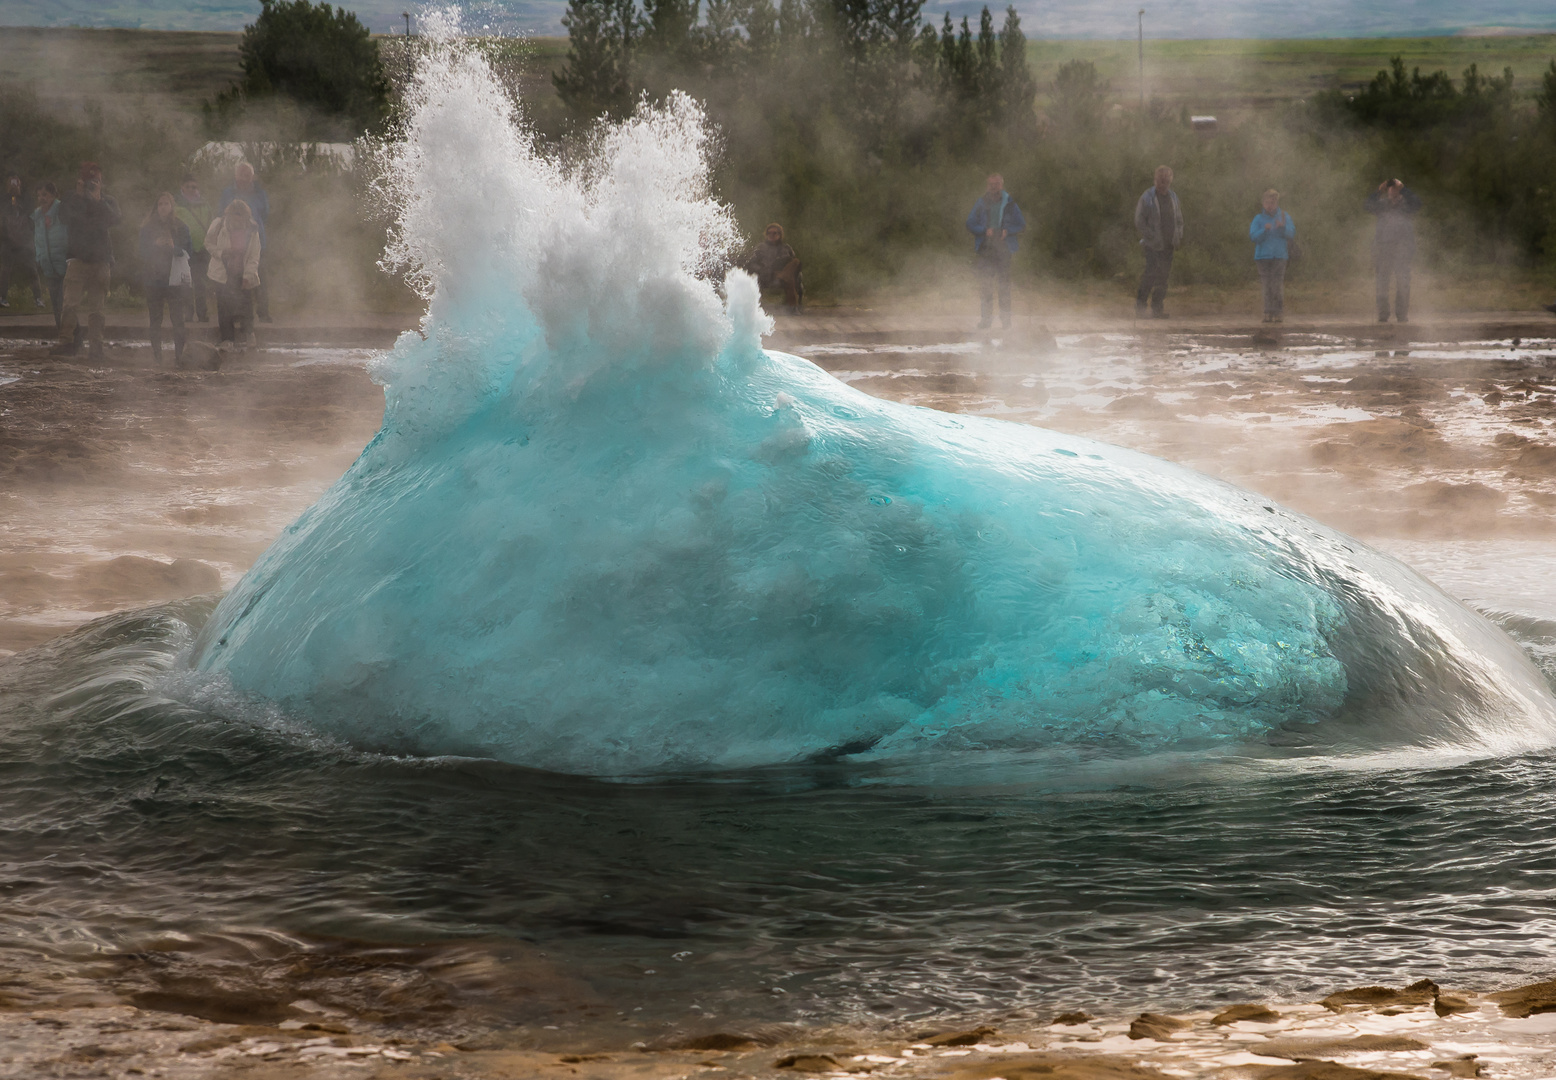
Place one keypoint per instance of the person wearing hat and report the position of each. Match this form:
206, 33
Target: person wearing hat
88, 213
1393, 244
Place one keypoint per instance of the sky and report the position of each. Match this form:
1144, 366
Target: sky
1040, 18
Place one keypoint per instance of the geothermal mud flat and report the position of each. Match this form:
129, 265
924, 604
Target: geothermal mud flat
209, 466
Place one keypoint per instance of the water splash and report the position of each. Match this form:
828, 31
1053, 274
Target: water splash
602, 531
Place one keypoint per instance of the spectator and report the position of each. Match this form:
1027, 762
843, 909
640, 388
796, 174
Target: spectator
995, 222
49, 244
234, 243
776, 266
164, 258
1159, 221
1393, 244
1272, 227
245, 187
88, 214
16, 254
195, 213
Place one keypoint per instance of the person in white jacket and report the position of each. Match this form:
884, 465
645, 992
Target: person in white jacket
234, 243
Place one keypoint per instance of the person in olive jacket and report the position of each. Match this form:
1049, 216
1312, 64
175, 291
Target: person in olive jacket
49, 244
196, 214
165, 269
88, 215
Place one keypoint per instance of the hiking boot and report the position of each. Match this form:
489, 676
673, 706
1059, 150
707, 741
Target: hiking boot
1141, 311
66, 348
1159, 314
94, 333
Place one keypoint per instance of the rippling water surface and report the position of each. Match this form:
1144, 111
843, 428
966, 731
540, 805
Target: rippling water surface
178, 856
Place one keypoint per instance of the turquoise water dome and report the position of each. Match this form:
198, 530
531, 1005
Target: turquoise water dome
602, 531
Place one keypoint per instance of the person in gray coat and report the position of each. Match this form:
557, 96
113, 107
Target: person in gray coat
1159, 221
1393, 244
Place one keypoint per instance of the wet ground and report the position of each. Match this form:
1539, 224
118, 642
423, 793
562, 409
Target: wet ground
122, 485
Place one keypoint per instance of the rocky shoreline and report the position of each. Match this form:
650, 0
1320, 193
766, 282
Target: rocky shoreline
1420, 1032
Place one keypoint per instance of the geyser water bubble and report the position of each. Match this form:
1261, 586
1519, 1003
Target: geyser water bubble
603, 532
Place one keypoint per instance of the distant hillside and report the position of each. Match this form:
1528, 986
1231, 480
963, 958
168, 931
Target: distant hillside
1042, 18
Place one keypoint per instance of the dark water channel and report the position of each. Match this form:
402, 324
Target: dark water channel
180, 858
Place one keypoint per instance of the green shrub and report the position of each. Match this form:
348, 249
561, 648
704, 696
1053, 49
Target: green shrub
320, 57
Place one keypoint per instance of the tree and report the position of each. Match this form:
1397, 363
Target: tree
319, 56
1079, 94
602, 36
1017, 89
667, 27
1545, 99
1394, 101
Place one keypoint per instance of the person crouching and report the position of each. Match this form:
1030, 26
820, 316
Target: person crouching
775, 266
234, 244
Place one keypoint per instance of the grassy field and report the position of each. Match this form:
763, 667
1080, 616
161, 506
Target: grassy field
1234, 76
142, 68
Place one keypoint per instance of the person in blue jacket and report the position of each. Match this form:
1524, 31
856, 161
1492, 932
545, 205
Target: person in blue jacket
995, 222
50, 241
1270, 231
